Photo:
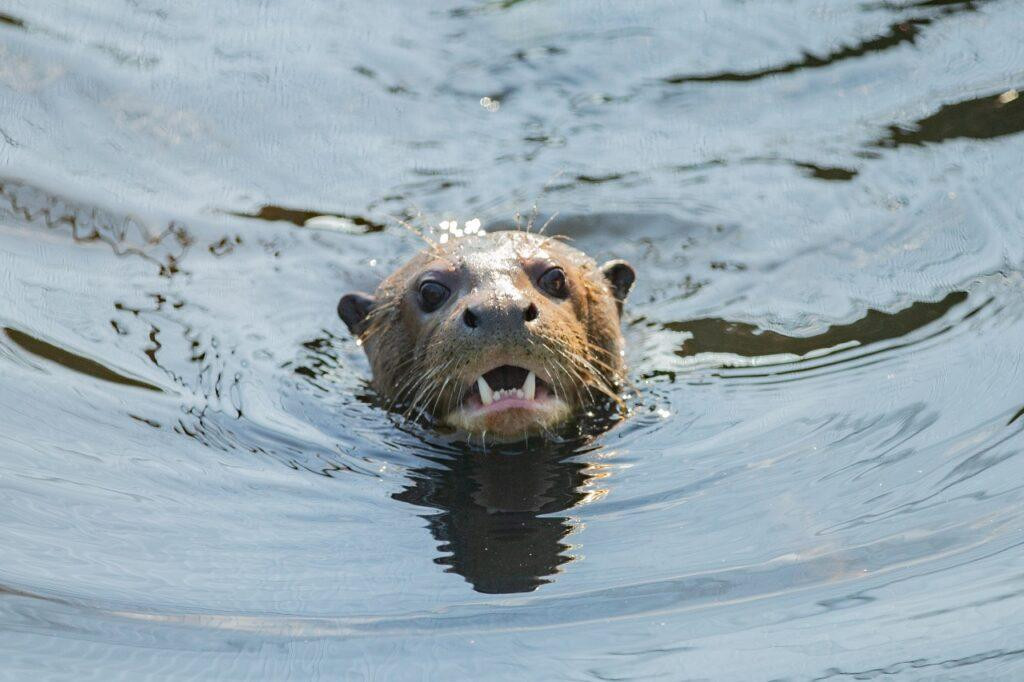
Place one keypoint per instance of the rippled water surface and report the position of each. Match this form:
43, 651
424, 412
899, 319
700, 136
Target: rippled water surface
821, 478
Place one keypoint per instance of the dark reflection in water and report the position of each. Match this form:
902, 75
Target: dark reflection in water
486, 6
906, 31
11, 20
903, 32
714, 335
300, 217
834, 174
969, 5
982, 118
495, 518
72, 361
957, 667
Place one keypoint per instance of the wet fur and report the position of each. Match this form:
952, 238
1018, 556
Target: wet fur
422, 365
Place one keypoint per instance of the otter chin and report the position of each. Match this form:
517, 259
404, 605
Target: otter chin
500, 335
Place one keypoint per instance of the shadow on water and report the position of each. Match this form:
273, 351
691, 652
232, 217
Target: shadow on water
495, 518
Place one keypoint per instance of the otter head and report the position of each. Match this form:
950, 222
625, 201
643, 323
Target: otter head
501, 335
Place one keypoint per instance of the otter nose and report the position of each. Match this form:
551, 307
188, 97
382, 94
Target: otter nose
493, 317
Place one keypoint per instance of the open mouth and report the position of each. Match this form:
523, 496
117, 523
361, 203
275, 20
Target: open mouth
506, 387
507, 403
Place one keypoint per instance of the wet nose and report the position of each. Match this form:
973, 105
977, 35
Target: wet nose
496, 317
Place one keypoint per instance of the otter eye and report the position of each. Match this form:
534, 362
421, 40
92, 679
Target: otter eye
553, 282
433, 295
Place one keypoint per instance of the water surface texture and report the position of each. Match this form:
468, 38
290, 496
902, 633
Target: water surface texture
821, 478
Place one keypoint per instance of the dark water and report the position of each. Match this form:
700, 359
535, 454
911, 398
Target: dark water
821, 479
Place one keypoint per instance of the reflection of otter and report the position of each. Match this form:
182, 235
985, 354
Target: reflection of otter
494, 515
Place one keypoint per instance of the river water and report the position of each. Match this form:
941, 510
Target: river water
821, 478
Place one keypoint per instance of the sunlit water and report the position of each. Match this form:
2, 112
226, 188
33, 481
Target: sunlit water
821, 477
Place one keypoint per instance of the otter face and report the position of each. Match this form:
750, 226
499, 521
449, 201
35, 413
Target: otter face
502, 335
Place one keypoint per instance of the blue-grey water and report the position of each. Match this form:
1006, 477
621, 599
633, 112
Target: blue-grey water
822, 476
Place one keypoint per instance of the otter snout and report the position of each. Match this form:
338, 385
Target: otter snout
498, 317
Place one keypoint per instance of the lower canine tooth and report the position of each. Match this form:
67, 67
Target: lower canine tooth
530, 386
486, 395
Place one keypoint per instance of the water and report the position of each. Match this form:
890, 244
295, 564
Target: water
821, 478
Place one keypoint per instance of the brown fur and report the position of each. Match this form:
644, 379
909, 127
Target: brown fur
425, 361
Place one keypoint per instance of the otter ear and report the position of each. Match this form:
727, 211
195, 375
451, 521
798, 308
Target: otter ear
353, 309
620, 276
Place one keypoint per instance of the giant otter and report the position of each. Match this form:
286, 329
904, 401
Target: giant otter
500, 335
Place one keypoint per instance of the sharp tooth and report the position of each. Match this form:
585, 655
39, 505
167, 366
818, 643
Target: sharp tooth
520, 394
486, 395
530, 386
